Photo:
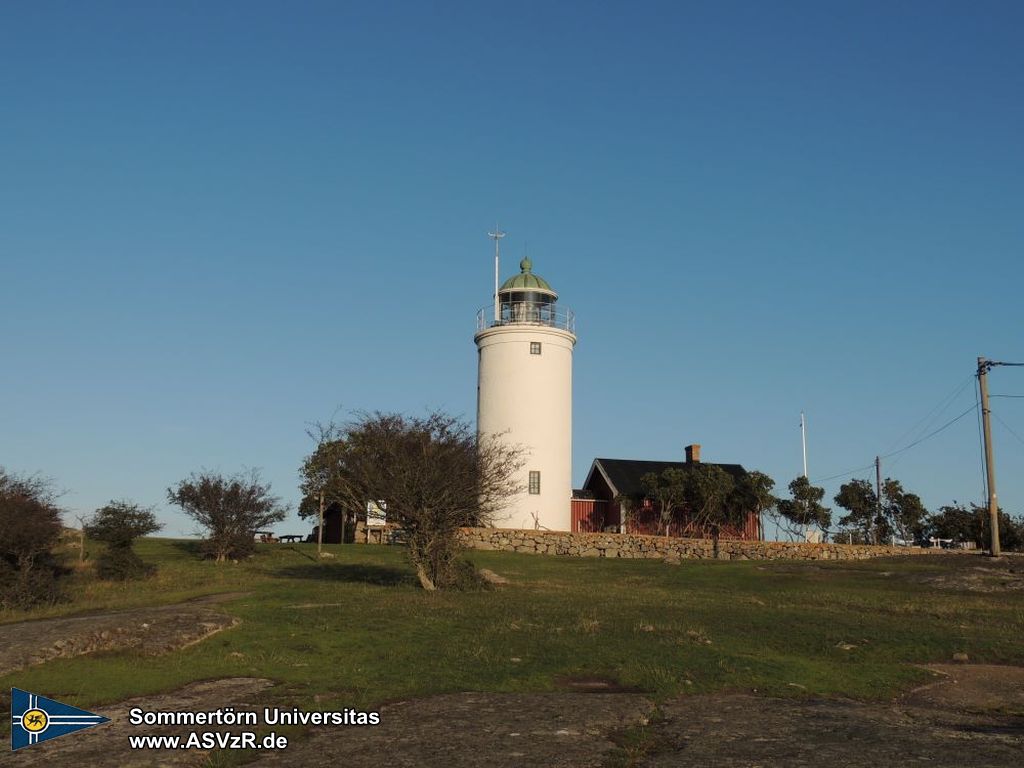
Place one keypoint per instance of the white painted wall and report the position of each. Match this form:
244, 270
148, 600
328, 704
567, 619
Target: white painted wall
530, 396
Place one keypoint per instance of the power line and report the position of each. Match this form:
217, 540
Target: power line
949, 423
935, 412
926, 423
1010, 396
942, 406
1008, 427
847, 473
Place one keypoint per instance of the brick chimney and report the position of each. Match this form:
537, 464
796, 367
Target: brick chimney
693, 454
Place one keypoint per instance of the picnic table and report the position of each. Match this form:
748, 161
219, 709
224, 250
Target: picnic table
290, 538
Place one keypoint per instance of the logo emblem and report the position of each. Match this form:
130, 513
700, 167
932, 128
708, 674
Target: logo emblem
37, 718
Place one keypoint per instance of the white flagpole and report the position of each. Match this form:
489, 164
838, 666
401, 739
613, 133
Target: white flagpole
803, 438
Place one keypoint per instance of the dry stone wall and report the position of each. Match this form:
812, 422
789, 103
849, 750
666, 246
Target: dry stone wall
667, 548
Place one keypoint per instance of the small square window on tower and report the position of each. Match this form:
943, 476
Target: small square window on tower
534, 347
534, 482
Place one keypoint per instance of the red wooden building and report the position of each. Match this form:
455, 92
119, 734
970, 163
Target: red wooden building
594, 507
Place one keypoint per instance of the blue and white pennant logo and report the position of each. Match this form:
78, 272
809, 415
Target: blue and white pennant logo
37, 718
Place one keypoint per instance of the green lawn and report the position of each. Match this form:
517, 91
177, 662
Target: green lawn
357, 631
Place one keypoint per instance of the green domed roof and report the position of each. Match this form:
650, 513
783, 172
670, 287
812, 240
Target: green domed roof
526, 280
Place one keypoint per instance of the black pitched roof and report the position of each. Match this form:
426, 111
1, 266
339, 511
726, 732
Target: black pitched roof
624, 474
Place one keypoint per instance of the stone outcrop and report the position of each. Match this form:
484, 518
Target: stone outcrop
152, 631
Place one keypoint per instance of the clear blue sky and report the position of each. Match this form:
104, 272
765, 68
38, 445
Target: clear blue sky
221, 221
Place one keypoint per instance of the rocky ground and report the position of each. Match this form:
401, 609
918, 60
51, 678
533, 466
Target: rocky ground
106, 746
969, 717
149, 630
949, 724
1005, 576
477, 729
958, 721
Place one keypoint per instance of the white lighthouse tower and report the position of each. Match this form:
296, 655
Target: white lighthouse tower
524, 391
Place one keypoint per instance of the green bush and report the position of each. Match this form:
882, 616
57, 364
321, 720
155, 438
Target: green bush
118, 524
122, 564
229, 547
465, 577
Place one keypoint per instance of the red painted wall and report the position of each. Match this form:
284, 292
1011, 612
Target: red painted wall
589, 515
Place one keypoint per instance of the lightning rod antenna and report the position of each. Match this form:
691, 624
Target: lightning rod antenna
496, 235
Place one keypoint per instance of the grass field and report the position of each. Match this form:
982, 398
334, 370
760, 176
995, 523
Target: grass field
357, 631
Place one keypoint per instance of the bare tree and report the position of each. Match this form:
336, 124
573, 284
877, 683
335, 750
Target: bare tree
435, 477
231, 509
82, 522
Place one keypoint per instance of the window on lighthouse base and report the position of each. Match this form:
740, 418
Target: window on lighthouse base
534, 482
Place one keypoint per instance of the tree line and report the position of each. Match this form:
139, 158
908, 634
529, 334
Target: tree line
434, 475
706, 499
229, 509
897, 515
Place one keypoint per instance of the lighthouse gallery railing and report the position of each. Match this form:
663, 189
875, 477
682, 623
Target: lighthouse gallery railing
527, 313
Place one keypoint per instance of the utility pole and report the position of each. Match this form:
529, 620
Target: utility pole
878, 493
986, 425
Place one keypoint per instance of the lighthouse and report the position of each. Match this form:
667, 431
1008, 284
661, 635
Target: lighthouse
524, 393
